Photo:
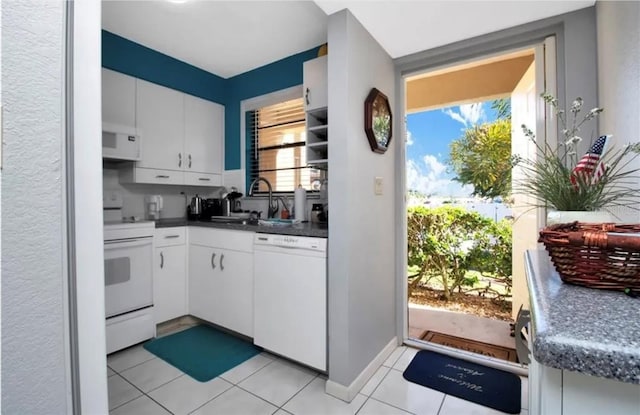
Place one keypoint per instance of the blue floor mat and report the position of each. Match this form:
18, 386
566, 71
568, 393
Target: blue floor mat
483, 385
202, 352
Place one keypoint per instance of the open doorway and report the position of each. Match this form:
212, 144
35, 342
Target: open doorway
472, 307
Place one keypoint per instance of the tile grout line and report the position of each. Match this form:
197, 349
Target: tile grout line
223, 392
393, 406
441, 404
272, 403
146, 393
295, 394
130, 400
136, 365
247, 377
237, 385
380, 383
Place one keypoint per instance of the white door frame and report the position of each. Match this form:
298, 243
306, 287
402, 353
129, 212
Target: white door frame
401, 220
83, 179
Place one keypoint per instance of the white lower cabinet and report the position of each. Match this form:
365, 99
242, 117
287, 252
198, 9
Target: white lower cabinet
221, 278
562, 392
169, 275
202, 289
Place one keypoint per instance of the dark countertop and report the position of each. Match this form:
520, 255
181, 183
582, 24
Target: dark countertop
299, 229
585, 330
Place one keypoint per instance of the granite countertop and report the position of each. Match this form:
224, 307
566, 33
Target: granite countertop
585, 330
298, 229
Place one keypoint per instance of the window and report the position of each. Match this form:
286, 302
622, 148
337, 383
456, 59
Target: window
276, 149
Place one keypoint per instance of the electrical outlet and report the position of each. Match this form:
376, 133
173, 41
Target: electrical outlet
377, 185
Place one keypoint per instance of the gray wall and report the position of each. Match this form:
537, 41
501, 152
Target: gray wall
619, 74
34, 358
361, 247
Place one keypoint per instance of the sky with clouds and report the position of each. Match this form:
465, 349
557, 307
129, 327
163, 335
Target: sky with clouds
429, 134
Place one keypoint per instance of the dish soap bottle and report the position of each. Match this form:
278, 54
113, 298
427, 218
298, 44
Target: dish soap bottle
284, 213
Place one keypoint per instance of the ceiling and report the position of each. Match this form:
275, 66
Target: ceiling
231, 37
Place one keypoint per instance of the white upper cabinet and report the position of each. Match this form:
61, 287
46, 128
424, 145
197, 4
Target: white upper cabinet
118, 99
203, 135
315, 83
181, 134
160, 120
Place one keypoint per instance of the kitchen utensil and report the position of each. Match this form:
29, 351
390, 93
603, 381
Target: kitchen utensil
226, 206
154, 204
317, 213
196, 206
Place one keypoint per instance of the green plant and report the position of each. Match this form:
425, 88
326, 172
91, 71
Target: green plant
558, 179
482, 158
445, 243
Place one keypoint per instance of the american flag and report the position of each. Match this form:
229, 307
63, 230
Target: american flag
589, 165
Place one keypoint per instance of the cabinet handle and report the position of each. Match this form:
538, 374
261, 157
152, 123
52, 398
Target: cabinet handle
213, 260
171, 236
221, 259
306, 96
204, 179
189, 160
161, 176
161, 260
179, 159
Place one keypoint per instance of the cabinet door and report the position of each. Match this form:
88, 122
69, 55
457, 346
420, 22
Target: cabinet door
118, 99
203, 264
203, 131
160, 121
234, 291
169, 283
315, 83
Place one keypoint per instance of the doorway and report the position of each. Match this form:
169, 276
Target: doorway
463, 91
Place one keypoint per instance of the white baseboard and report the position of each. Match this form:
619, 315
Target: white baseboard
347, 393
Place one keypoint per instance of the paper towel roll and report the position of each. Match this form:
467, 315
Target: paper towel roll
300, 197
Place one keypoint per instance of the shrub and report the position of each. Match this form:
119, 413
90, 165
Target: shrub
447, 242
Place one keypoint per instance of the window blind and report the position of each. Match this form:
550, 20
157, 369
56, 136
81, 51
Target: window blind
277, 149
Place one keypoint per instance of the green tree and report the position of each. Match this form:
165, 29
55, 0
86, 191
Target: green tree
482, 158
502, 107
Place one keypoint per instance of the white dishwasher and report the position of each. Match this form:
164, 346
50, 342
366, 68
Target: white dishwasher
290, 297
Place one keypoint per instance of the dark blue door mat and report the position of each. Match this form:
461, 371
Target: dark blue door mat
483, 385
202, 352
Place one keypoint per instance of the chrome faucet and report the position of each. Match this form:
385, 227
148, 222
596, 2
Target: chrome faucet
271, 211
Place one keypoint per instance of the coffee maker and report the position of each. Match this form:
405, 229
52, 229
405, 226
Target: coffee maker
153, 204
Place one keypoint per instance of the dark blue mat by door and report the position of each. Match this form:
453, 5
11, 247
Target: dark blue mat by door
202, 352
483, 385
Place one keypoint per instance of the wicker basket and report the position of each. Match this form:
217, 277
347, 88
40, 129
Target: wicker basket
595, 255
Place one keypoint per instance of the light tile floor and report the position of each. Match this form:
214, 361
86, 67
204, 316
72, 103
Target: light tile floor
139, 384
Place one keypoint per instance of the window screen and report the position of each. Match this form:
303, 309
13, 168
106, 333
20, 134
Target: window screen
277, 149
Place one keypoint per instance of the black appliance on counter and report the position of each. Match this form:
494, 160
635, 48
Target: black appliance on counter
212, 207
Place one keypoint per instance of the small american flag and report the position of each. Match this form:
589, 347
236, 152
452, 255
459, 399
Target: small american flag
590, 165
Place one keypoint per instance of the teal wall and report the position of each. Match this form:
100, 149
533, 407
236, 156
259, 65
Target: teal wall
133, 59
275, 76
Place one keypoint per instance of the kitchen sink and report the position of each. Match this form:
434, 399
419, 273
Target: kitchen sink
225, 219
276, 222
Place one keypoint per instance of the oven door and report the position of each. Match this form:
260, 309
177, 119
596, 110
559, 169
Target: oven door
128, 268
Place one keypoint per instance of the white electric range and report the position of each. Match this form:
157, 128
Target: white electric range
128, 276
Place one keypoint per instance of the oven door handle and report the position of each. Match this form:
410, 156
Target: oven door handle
127, 243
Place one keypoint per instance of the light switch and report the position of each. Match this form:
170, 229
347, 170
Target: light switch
377, 186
